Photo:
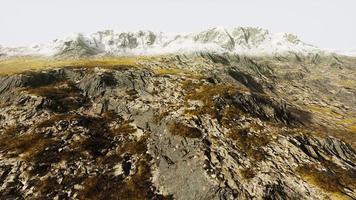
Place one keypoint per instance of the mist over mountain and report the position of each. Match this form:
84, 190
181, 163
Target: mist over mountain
239, 40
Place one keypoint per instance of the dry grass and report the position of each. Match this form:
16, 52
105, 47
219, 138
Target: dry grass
56, 90
207, 94
137, 187
323, 110
333, 180
230, 115
62, 96
160, 115
347, 83
349, 123
184, 131
177, 72
250, 144
100, 144
248, 173
26, 145
348, 120
168, 71
352, 128
17, 65
125, 128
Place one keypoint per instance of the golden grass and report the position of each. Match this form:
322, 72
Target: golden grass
177, 72
22, 64
323, 110
348, 120
168, 71
349, 123
333, 180
352, 128
347, 83
206, 94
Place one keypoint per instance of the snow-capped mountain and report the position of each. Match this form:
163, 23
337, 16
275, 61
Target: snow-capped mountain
240, 40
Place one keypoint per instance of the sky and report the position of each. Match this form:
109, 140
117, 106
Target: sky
328, 24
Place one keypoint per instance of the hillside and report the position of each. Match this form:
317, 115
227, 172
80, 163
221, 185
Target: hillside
197, 126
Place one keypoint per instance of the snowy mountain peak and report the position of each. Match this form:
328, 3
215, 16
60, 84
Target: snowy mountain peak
239, 40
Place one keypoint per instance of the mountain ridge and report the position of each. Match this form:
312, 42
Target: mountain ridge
239, 40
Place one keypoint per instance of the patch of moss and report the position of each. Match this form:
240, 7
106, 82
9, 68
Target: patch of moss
348, 120
180, 129
349, 123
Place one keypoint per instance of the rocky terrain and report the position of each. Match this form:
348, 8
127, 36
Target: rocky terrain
236, 113
202, 126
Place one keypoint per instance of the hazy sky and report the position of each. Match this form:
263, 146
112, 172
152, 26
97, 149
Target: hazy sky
325, 23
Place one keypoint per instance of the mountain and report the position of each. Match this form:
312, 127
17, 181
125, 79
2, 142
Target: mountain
203, 122
240, 40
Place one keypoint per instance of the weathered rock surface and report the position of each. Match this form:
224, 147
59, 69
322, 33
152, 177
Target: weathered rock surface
215, 127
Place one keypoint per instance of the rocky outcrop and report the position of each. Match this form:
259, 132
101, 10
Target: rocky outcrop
212, 128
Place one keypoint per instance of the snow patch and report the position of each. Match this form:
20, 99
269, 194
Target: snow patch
240, 40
